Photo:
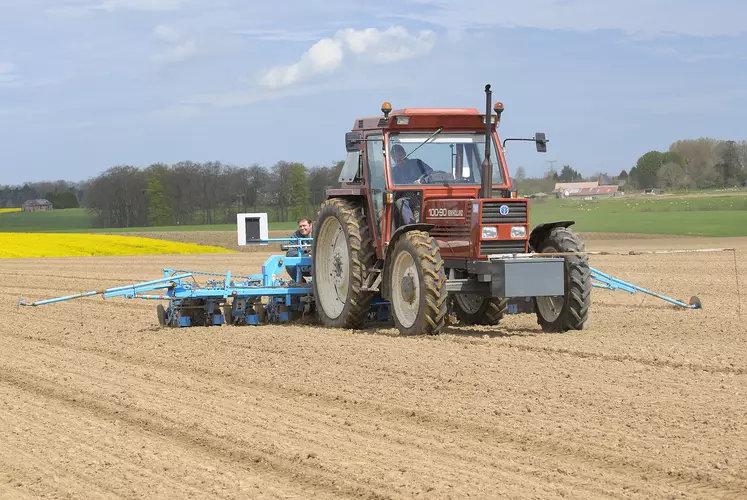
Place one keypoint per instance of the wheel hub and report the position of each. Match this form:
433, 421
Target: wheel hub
408, 289
337, 268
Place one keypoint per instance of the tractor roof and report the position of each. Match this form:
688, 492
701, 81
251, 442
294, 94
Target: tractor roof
424, 118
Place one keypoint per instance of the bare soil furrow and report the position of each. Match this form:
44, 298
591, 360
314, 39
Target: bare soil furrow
184, 437
399, 438
546, 447
647, 402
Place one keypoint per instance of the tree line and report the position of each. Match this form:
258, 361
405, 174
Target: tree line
703, 163
212, 192
190, 193
62, 194
205, 193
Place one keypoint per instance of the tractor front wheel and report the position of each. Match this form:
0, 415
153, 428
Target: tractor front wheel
570, 311
473, 309
417, 285
342, 254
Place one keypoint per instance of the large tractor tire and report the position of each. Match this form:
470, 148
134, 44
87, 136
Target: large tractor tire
342, 253
417, 285
473, 309
571, 311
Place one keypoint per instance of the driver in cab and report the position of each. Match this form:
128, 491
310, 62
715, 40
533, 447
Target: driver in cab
407, 170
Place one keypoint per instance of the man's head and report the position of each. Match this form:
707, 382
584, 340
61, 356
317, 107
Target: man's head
304, 227
398, 154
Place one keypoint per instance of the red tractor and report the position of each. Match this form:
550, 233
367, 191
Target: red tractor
427, 221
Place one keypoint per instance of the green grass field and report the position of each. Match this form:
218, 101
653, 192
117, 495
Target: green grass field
688, 216
709, 215
77, 220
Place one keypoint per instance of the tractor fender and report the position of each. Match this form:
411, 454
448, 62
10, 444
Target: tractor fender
398, 233
542, 230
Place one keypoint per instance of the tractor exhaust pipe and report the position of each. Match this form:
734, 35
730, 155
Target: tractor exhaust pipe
487, 167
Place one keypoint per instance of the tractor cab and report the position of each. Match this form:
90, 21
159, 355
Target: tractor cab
428, 166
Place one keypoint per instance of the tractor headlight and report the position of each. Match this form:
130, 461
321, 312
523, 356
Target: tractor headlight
518, 232
490, 232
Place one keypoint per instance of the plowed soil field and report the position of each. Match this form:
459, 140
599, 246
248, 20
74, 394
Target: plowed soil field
648, 402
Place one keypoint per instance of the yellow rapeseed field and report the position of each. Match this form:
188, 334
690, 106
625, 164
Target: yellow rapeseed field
9, 210
26, 245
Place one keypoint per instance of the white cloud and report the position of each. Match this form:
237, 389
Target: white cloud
324, 56
178, 48
280, 35
687, 56
166, 33
327, 55
78, 8
639, 18
394, 44
176, 113
143, 5
177, 53
8, 73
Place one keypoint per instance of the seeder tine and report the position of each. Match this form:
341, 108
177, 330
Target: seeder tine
610, 283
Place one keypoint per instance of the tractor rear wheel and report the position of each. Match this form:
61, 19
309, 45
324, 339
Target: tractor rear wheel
342, 253
473, 309
417, 285
570, 311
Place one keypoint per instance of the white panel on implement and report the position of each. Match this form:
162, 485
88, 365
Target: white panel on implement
252, 229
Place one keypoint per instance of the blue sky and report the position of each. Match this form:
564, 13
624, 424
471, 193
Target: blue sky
88, 84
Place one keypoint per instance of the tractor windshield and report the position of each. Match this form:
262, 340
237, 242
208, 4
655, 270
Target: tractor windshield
446, 158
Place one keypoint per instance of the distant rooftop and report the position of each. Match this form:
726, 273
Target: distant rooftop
574, 185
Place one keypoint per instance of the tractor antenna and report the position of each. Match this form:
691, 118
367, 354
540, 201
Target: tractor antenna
487, 166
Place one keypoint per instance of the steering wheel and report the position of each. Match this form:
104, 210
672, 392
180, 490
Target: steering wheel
421, 179
435, 177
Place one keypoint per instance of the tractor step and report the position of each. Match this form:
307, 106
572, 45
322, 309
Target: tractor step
372, 287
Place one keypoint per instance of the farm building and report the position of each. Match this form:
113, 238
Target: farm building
564, 189
560, 187
36, 205
584, 190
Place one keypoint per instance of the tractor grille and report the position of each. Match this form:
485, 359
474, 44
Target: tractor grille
450, 232
517, 212
502, 246
453, 232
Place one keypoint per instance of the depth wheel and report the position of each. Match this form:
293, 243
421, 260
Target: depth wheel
473, 309
161, 312
417, 285
342, 253
228, 313
570, 311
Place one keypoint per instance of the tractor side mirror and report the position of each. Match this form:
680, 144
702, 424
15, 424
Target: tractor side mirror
539, 139
353, 141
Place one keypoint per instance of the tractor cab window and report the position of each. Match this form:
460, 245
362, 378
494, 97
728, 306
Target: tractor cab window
351, 168
447, 158
376, 174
